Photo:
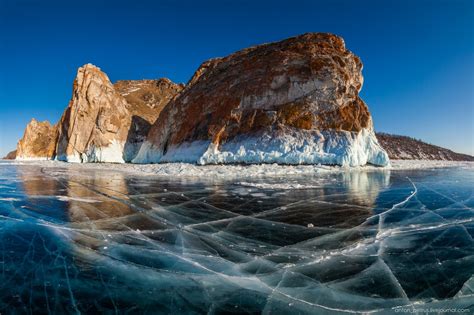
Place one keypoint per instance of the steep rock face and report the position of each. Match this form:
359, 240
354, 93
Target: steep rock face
406, 148
38, 142
95, 125
107, 123
146, 98
294, 101
10, 155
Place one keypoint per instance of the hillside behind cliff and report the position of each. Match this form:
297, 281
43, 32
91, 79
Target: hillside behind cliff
407, 148
10, 156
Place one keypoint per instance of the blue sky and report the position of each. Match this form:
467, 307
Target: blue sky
418, 55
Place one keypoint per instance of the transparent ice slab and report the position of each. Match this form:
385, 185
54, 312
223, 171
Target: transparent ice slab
353, 242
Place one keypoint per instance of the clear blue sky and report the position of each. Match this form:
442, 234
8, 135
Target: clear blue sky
418, 55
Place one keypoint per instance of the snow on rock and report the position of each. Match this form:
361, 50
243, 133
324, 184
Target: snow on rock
291, 102
292, 147
301, 147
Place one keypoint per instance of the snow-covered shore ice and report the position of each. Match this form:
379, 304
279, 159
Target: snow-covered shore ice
293, 147
237, 170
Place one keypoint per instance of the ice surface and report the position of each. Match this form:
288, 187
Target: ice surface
240, 171
292, 147
78, 239
30, 158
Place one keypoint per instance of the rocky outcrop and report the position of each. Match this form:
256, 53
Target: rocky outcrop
294, 101
146, 98
406, 148
38, 142
95, 125
10, 155
107, 123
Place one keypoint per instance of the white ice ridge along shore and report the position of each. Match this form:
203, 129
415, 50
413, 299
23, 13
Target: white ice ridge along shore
295, 147
234, 171
32, 158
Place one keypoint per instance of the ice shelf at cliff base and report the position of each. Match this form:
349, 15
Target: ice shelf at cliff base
296, 147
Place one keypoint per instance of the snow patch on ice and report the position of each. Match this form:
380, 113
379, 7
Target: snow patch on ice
424, 164
183, 170
278, 186
67, 198
10, 199
32, 158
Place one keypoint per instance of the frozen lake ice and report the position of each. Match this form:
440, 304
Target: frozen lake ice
366, 241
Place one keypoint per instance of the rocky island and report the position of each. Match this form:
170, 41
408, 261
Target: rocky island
290, 102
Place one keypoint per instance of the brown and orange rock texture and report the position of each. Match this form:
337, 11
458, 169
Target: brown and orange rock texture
38, 141
96, 122
107, 123
292, 102
102, 123
10, 155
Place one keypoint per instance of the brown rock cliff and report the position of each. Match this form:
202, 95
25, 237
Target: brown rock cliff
107, 123
38, 141
301, 85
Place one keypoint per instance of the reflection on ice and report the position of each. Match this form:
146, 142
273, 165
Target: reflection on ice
362, 241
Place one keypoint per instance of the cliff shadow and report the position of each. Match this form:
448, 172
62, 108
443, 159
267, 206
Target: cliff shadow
137, 133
